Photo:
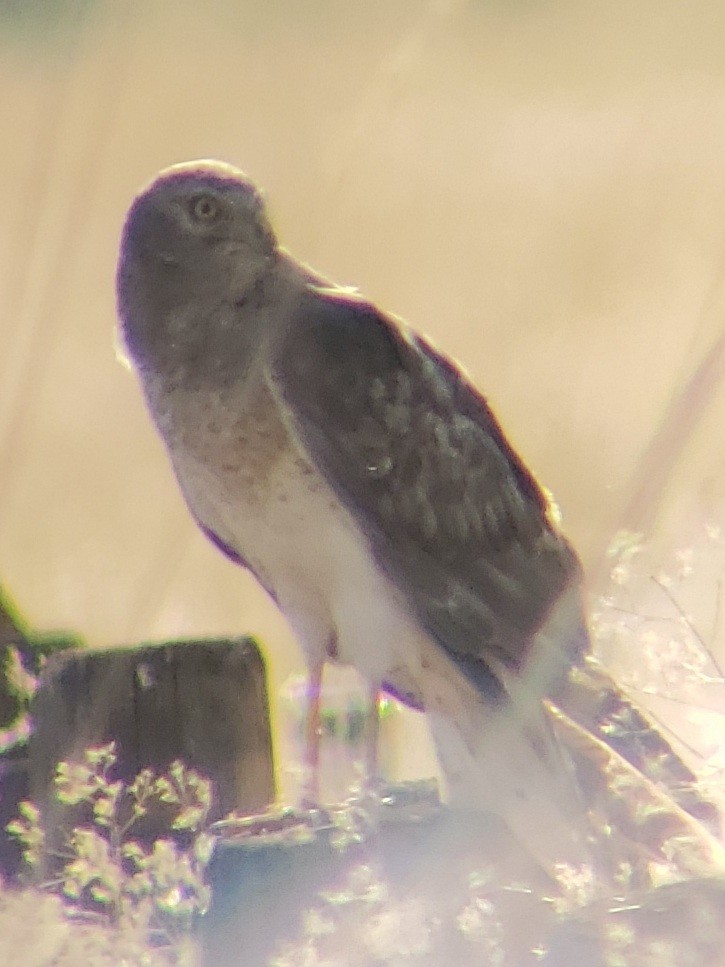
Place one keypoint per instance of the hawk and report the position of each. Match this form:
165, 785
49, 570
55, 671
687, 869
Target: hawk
368, 486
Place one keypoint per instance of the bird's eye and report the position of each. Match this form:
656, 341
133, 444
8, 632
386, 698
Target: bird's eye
204, 208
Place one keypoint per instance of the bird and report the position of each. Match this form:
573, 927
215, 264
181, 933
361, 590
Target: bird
357, 472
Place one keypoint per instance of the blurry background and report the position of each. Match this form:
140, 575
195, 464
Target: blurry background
538, 185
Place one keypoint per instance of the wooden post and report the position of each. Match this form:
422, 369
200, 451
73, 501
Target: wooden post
204, 702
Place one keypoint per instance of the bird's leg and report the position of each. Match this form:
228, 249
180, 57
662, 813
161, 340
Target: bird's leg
372, 732
313, 729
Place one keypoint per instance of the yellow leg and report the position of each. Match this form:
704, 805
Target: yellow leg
313, 730
372, 729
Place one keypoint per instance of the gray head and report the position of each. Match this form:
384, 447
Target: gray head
196, 245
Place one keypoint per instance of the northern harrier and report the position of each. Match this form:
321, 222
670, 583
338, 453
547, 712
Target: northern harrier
359, 475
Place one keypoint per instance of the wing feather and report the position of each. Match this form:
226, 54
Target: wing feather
415, 453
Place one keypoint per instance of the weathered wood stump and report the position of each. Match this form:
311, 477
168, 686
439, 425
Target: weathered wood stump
21, 654
434, 890
375, 898
204, 702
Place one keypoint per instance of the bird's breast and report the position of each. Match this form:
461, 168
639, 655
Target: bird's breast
236, 462
246, 479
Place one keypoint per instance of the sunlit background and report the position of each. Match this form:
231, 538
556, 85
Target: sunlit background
538, 185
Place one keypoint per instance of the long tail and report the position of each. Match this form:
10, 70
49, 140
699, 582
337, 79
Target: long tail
591, 698
636, 822
504, 757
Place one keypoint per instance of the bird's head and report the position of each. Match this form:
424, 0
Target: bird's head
196, 242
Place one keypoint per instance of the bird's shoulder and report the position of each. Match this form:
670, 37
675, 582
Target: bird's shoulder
380, 389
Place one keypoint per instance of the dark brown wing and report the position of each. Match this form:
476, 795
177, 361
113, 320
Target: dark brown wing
414, 452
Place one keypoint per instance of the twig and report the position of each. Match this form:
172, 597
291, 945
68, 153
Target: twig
685, 617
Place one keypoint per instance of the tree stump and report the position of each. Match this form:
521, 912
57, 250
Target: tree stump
440, 888
22, 650
204, 702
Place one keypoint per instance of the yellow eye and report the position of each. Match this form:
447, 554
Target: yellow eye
204, 208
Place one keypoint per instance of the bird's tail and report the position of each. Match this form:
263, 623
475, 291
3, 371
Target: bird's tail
561, 667
638, 827
504, 757
591, 698
584, 784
